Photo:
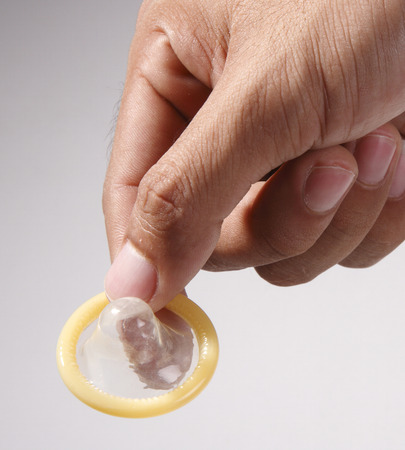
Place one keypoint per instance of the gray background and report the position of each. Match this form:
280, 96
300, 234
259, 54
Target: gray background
319, 366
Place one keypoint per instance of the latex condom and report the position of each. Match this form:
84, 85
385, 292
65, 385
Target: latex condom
105, 346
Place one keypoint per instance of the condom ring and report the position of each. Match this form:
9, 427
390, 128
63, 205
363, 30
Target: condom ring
105, 402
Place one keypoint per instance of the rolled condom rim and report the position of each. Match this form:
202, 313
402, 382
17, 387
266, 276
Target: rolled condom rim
78, 384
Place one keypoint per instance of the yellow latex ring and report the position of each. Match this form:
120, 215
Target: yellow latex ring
137, 407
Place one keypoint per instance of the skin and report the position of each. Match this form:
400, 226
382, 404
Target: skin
221, 92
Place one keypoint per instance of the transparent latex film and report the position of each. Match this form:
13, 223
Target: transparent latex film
131, 352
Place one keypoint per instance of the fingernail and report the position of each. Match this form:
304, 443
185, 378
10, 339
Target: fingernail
398, 182
130, 275
326, 186
373, 155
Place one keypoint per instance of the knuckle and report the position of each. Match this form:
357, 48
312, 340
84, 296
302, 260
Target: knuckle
276, 249
115, 193
161, 201
370, 252
358, 262
215, 265
106, 195
286, 275
348, 230
282, 245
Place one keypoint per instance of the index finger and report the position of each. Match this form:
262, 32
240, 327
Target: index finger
160, 98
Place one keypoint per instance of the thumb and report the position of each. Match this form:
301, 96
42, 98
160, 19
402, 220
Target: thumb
183, 199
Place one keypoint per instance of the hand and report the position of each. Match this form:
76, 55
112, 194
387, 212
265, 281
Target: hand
219, 93
297, 227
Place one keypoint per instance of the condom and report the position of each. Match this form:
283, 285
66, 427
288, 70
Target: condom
122, 359
131, 351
